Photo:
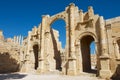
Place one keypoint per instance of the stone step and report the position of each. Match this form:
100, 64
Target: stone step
88, 74
53, 73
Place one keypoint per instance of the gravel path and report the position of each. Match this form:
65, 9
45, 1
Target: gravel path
24, 76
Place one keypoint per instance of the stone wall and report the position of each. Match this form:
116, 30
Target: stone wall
81, 29
9, 56
41, 50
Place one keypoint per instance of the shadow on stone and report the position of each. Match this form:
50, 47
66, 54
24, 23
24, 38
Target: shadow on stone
116, 75
57, 56
11, 76
8, 63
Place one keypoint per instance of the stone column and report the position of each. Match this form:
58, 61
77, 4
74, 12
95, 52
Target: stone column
79, 57
17, 39
104, 58
71, 55
27, 56
97, 52
41, 55
90, 12
29, 44
81, 15
14, 39
117, 50
31, 60
47, 52
21, 40
104, 42
27, 63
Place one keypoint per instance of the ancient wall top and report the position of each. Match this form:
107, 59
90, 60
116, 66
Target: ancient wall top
113, 20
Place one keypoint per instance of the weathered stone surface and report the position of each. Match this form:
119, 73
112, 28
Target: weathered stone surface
81, 30
9, 55
41, 50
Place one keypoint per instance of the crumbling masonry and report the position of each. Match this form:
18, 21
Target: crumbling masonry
41, 51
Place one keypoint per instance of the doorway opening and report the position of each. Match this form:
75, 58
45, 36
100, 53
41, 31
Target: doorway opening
60, 26
88, 54
58, 35
35, 50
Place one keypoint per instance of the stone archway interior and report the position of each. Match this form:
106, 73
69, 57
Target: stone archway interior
93, 56
118, 43
59, 25
35, 49
86, 56
58, 36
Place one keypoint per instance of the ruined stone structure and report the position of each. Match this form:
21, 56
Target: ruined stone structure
9, 54
41, 50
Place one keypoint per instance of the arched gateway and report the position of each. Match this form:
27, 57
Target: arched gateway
81, 30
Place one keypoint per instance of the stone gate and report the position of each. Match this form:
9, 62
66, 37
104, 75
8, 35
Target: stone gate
42, 50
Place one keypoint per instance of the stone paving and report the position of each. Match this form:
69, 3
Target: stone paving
25, 76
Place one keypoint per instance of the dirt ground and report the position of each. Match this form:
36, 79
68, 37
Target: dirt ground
26, 76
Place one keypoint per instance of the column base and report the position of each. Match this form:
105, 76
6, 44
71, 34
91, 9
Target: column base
105, 67
71, 67
71, 72
40, 68
40, 71
105, 74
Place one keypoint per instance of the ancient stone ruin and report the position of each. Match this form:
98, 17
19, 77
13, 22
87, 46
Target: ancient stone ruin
9, 53
41, 50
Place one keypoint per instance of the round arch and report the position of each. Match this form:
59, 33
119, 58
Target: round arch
61, 15
53, 19
56, 52
83, 43
85, 34
34, 43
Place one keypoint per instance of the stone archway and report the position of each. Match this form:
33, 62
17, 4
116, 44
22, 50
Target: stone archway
70, 20
85, 51
35, 50
50, 41
79, 27
58, 26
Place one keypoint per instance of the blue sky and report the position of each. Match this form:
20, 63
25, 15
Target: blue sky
17, 17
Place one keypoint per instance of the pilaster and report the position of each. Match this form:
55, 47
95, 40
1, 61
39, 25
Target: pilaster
81, 15
117, 50
42, 47
79, 57
104, 58
71, 55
